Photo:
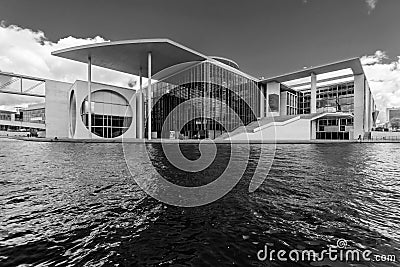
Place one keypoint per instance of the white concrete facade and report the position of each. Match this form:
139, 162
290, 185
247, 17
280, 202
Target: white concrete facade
57, 109
64, 102
359, 101
279, 131
150, 56
282, 104
363, 114
313, 86
77, 95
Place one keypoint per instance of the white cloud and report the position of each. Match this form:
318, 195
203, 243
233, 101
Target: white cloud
28, 52
378, 57
371, 5
383, 76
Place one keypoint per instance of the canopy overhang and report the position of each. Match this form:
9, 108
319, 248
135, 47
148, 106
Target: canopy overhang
131, 56
333, 114
354, 64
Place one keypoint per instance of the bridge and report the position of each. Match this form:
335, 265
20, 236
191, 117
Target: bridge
16, 84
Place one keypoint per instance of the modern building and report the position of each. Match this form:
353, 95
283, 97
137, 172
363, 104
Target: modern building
337, 106
393, 118
112, 111
189, 95
34, 113
51, 117
23, 121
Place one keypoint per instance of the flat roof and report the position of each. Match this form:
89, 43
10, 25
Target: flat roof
354, 64
7, 111
35, 106
130, 56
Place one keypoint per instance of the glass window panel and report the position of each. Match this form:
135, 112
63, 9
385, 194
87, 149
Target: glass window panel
98, 108
107, 109
98, 96
329, 135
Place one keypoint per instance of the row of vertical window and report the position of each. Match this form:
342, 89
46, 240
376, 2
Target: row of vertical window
338, 97
5, 117
111, 115
108, 126
225, 96
333, 135
336, 90
304, 102
336, 121
34, 116
291, 103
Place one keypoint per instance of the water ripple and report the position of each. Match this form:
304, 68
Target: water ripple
76, 204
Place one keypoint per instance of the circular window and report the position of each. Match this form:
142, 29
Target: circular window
111, 114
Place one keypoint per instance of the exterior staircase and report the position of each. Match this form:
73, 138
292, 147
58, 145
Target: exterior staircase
251, 127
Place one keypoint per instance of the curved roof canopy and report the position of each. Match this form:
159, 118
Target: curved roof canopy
226, 61
131, 56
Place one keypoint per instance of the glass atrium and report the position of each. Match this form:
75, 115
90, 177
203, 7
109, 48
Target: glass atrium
212, 99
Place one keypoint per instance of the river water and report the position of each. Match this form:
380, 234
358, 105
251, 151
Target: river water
78, 204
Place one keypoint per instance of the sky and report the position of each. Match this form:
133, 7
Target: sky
265, 37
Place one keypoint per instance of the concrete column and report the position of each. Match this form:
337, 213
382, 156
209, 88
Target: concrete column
134, 121
262, 102
367, 109
371, 110
90, 96
273, 88
282, 104
140, 107
149, 106
313, 125
313, 104
359, 94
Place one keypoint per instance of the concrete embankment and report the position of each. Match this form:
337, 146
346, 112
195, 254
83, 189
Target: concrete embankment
138, 141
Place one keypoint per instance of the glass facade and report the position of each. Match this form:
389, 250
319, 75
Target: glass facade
34, 115
212, 100
291, 102
336, 98
332, 98
5, 115
111, 114
334, 128
304, 102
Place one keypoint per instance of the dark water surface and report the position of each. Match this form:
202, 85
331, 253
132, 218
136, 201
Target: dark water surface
77, 204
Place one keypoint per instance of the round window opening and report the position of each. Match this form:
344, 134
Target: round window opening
111, 114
